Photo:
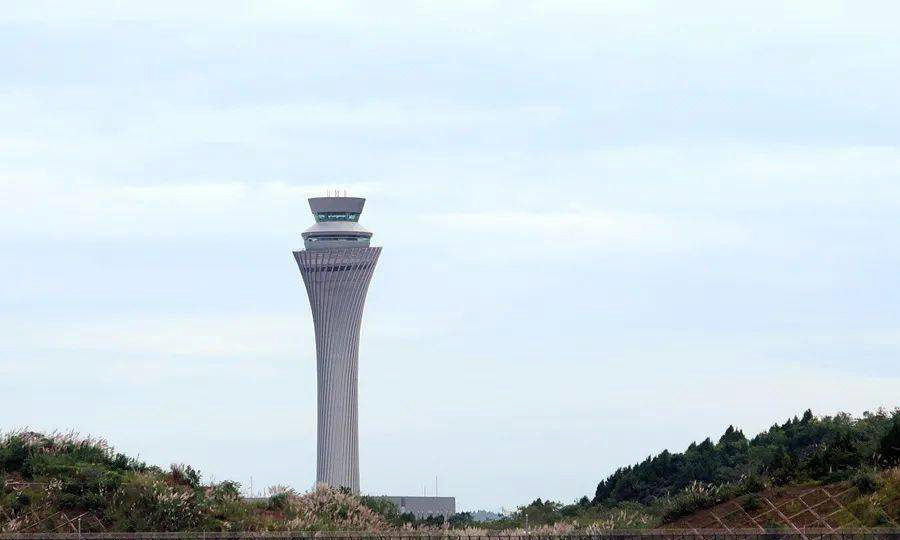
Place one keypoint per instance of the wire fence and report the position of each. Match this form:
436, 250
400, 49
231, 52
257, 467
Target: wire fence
644, 534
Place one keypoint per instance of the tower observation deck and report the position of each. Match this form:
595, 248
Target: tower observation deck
337, 265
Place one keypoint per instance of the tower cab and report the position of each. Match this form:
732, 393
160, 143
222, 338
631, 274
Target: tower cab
336, 224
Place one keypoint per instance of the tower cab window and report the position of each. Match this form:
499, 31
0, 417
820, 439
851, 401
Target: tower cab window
337, 216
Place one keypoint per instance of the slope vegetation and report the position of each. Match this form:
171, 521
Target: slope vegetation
822, 472
66, 483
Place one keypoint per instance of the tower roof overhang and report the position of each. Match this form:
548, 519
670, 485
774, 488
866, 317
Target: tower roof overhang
337, 204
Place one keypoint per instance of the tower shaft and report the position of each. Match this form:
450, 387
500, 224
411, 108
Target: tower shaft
337, 279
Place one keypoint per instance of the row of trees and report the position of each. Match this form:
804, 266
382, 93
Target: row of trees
809, 448
673, 484
669, 485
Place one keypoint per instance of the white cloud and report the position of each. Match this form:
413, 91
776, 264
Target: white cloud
166, 335
654, 196
34, 206
803, 18
554, 231
61, 120
187, 341
741, 176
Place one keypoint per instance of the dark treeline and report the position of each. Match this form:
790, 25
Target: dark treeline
810, 448
807, 450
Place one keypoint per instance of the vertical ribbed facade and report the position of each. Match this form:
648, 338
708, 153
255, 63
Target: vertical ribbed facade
337, 280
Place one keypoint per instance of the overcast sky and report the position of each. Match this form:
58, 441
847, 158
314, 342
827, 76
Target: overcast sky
608, 229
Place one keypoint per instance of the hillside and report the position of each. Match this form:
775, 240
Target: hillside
826, 449
869, 501
65, 483
828, 472
800, 454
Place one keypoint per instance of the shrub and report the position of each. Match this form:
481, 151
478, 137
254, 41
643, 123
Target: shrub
751, 503
383, 508
869, 512
461, 519
326, 508
278, 502
185, 475
146, 502
13, 454
865, 482
889, 446
693, 498
752, 484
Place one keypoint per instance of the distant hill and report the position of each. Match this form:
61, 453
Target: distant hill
485, 516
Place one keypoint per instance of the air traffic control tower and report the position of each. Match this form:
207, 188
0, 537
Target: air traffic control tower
337, 265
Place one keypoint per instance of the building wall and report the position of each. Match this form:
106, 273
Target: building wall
422, 507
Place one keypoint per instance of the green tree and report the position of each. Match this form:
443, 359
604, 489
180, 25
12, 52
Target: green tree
889, 447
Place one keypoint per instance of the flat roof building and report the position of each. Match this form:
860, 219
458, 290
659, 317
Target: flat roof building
423, 507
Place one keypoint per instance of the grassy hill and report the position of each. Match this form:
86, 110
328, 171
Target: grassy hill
826, 449
867, 501
60, 483
802, 453
836, 471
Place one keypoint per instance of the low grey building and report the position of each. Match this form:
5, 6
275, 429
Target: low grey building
423, 507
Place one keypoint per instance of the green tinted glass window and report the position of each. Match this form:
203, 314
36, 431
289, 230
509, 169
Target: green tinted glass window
337, 216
